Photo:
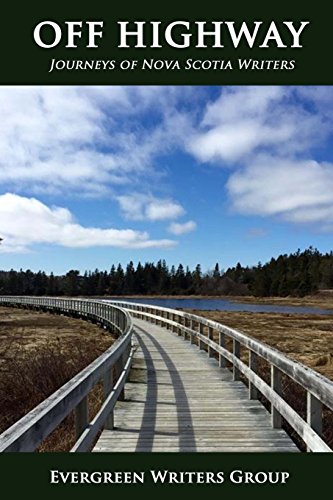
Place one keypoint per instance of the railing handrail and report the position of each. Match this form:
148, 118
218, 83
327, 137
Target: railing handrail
303, 375
27, 433
319, 390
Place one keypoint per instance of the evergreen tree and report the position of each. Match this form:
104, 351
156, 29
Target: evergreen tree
71, 284
216, 272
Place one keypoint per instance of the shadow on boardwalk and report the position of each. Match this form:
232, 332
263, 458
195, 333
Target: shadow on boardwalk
185, 424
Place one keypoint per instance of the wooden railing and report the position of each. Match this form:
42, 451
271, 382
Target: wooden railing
319, 390
28, 433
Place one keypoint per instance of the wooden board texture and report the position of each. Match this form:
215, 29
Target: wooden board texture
179, 400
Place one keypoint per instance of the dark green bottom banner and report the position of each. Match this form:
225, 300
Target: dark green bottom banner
162, 474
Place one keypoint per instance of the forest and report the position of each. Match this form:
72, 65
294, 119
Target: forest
297, 274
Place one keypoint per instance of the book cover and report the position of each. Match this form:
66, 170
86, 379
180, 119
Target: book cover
166, 249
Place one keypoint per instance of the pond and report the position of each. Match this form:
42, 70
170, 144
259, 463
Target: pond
225, 305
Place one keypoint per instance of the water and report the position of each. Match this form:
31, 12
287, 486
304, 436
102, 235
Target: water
226, 305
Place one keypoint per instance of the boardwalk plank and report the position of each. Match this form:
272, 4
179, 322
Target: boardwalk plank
177, 399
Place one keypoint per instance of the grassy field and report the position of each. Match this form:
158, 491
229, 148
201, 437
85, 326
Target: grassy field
322, 300
39, 352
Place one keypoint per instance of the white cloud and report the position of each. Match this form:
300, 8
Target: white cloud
182, 228
246, 121
85, 138
295, 190
26, 221
96, 141
137, 206
270, 137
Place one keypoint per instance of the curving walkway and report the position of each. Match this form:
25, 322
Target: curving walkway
179, 400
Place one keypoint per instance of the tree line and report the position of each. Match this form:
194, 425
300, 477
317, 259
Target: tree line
298, 274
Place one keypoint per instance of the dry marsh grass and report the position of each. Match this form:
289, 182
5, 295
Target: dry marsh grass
39, 352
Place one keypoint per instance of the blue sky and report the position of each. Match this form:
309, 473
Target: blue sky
92, 176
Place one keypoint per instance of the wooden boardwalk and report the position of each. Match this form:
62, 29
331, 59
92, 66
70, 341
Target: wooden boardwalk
179, 400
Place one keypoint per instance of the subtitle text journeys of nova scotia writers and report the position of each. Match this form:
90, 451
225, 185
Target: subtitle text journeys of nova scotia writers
170, 64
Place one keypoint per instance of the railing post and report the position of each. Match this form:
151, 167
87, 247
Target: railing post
107, 388
191, 326
236, 353
119, 368
185, 322
167, 316
81, 417
174, 328
222, 360
201, 330
210, 336
276, 384
253, 358
178, 328
314, 414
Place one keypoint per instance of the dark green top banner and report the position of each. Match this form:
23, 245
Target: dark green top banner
217, 43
